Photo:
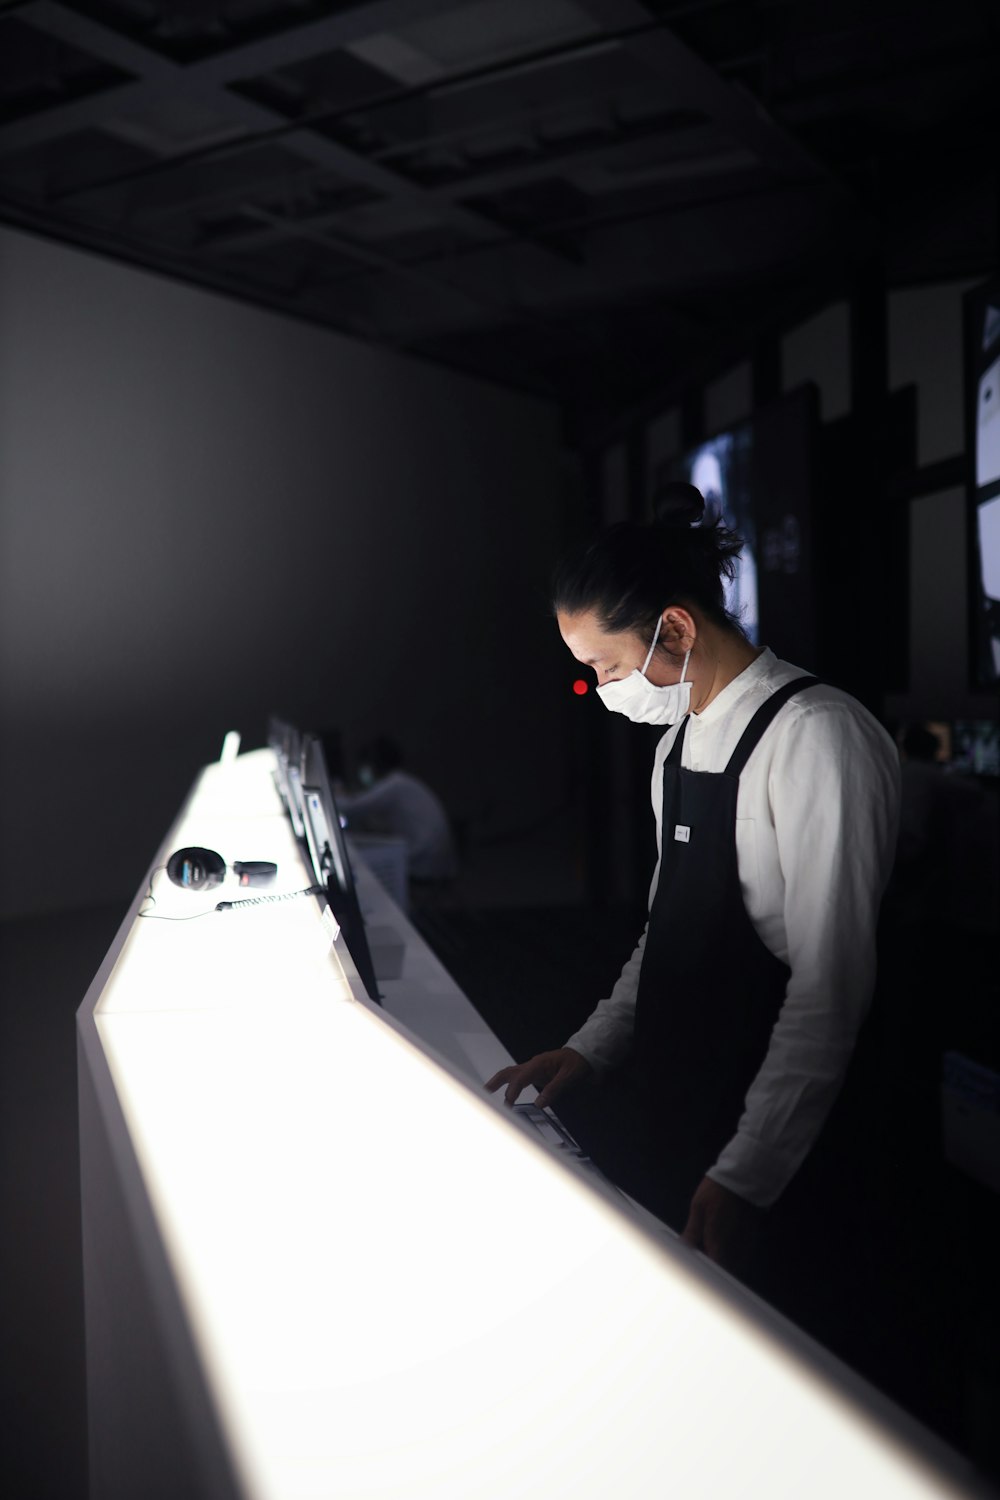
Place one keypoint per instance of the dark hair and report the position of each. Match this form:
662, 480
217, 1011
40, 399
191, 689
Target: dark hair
630, 572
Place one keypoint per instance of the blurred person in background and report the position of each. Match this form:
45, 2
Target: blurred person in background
394, 802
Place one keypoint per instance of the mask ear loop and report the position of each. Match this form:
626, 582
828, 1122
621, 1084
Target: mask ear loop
649, 653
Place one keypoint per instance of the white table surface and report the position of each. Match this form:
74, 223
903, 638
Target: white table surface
392, 1290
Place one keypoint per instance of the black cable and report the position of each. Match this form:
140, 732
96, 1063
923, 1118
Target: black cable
155, 916
309, 890
149, 890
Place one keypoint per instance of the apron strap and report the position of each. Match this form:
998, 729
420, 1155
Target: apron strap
674, 754
761, 721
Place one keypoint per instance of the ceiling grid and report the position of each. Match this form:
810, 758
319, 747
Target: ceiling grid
574, 197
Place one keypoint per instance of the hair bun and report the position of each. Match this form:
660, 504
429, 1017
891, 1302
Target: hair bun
677, 503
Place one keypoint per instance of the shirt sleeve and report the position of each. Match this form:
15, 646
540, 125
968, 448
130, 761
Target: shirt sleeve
834, 797
605, 1038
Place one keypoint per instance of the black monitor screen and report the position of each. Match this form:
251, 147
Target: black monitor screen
286, 742
330, 860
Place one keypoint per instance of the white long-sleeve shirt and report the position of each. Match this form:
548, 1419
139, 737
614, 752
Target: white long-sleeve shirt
816, 822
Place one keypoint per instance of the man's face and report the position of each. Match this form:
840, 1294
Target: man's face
613, 656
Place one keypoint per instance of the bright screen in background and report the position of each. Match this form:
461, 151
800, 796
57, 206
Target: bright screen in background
988, 426
976, 747
720, 469
991, 327
984, 388
988, 536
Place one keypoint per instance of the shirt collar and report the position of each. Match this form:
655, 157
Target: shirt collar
750, 678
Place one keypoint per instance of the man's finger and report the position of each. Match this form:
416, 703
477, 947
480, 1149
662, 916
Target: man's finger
551, 1090
494, 1083
517, 1083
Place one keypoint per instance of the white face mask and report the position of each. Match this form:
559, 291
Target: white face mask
641, 700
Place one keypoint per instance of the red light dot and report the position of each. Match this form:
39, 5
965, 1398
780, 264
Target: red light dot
580, 687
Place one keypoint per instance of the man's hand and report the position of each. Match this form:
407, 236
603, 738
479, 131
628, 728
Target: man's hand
550, 1072
722, 1224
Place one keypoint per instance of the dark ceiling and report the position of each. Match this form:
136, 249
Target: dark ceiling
582, 198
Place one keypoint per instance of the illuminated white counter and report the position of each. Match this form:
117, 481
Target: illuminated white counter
319, 1263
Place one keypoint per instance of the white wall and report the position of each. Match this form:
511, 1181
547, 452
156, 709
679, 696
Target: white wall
924, 349
210, 512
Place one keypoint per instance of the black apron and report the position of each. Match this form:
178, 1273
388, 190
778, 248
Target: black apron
709, 990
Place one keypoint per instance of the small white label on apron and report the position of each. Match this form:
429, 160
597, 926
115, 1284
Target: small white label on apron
682, 834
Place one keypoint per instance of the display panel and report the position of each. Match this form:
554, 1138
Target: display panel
721, 469
982, 387
330, 859
286, 742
